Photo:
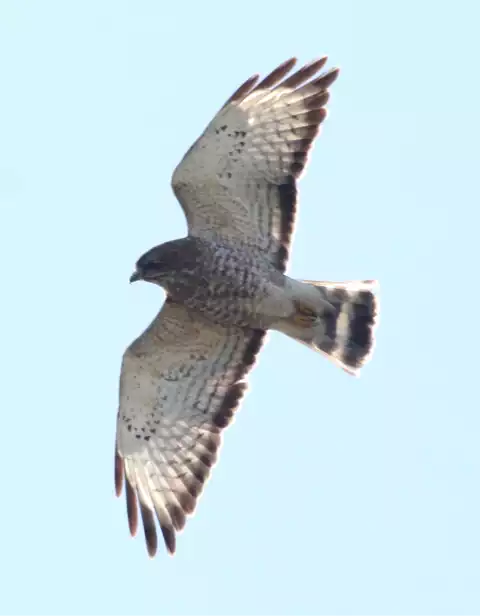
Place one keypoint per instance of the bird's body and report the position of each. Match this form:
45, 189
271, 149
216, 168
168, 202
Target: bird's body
183, 378
230, 283
225, 282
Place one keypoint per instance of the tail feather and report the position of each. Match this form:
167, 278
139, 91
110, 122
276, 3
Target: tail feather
346, 333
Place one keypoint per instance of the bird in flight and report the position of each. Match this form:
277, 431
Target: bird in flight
183, 378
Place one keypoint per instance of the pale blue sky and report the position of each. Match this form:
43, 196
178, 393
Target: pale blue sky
332, 495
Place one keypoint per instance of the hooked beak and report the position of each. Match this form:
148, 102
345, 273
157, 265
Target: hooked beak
135, 276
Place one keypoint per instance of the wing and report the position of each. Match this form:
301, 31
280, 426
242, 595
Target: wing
180, 384
238, 180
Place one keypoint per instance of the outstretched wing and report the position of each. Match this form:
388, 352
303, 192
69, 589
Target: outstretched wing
180, 384
238, 180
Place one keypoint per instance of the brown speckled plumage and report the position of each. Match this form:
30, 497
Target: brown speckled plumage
224, 280
183, 378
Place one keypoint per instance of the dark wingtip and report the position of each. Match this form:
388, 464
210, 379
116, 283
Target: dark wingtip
326, 80
132, 511
304, 74
293, 81
243, 90
119, 470
169, 538
177, 516
286, 66
276, 75
149, 530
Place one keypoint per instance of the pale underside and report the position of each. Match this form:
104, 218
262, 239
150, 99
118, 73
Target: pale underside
182, 379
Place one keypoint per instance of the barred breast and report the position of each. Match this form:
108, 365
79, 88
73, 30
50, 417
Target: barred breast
227, 283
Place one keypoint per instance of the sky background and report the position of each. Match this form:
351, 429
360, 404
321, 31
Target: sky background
333, 495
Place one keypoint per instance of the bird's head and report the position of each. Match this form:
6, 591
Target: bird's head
157, 265
165, 265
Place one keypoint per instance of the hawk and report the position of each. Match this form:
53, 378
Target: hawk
183, 378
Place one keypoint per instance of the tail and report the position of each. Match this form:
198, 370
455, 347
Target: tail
345, 332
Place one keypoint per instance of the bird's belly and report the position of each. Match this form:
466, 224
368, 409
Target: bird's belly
228, 303
229, 311
242, 297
